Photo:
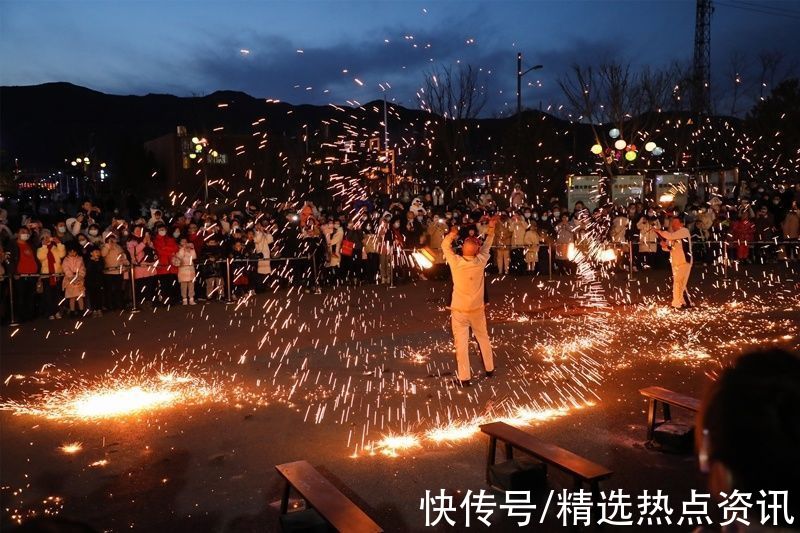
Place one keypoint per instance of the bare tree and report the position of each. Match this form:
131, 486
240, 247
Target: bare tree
454, 97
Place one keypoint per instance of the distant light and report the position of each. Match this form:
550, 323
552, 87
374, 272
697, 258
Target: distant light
73, 163
650, 146
596, 149
607, 255
666, 198
192, 156
86, 160
195, 140
630, 156
658, 151
613, 133
102, 165
244, 52
620, 144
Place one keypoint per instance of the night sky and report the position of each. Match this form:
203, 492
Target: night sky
313, 52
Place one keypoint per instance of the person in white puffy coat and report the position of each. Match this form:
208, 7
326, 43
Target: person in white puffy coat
334, 245
262, 240
531, 246
185, 259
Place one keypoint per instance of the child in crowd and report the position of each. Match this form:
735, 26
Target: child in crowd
211, 270
94, 281
74, 276
531, 241
185, 260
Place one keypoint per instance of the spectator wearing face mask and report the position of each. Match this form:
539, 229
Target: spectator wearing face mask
156, 218
64, 236
115, 268
143, 257
412, 230
50, 255
25, 270
531, 243
74, 282
185, 258
93, 235
166, 272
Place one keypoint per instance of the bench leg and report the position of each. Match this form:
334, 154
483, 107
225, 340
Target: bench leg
667, 415
595, 492
285, 498
490, 457
651, 419
509, 452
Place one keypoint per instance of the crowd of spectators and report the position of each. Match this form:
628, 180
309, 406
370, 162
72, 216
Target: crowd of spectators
86, 259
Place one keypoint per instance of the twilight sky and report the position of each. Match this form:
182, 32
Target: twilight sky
314, 51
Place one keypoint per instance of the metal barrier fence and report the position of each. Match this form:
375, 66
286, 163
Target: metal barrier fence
724, 261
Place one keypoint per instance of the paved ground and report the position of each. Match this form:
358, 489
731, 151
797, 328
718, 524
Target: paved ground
327, 377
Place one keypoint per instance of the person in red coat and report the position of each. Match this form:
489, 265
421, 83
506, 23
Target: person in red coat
743, 232
167, 272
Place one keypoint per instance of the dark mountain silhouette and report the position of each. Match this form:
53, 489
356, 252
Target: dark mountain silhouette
43, 125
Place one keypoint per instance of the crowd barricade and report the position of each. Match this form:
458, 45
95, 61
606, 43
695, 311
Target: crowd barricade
10, 280
723, 259
228, 262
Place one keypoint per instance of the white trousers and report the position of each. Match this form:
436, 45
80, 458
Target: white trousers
462, 322
680, 279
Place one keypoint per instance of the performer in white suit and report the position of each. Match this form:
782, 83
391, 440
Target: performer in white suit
467, 304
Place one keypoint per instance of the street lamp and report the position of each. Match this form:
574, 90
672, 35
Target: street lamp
520, 74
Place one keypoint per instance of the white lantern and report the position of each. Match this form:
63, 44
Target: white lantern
620, 144
650, 146
613, 133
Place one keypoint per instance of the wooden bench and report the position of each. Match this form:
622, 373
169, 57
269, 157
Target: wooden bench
582, 470
322, 496
666, 398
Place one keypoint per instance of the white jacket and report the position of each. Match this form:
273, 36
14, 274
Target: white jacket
262, 241
531, 246
647, 236
468, 276
334, 247
185, 259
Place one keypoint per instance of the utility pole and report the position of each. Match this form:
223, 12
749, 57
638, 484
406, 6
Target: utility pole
520, 74
389, 177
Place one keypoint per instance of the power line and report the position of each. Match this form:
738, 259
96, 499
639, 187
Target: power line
768, 7
757, 10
